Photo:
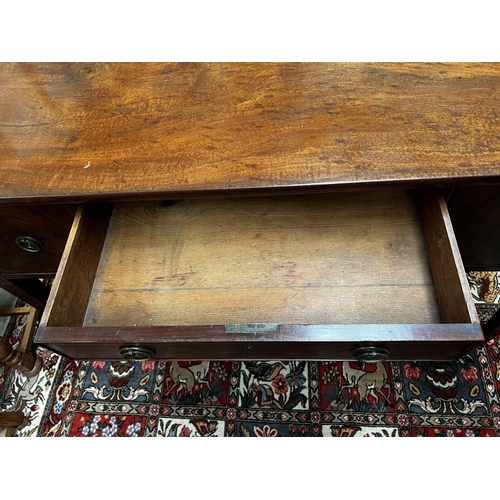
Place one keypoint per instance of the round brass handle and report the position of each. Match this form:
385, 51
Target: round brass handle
136, 352
370, 354
29, 244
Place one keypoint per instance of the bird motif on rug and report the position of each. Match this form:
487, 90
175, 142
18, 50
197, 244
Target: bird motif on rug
264, 371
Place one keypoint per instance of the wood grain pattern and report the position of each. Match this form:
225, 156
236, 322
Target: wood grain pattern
81, 131
325, 259
73, 282
452, 286
304, 305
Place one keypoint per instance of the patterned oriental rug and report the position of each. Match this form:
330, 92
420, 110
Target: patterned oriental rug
265, 398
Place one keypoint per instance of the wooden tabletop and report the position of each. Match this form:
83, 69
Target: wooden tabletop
85, 132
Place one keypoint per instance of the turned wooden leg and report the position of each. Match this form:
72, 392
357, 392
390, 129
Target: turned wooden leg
26, 363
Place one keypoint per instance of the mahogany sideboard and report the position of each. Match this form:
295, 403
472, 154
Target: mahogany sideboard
253, 211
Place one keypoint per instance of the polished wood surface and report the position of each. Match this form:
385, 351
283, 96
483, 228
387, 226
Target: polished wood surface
82, 132
416, 342
21, 270
48, 224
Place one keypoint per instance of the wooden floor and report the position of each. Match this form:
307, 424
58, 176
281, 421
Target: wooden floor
350, 258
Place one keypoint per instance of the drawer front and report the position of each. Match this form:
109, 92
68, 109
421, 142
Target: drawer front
320, 342
32, 238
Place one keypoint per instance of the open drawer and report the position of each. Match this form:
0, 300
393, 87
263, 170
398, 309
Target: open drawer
366, 275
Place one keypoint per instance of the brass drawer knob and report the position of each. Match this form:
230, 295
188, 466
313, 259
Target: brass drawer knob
370, 354
136, 353
29, 244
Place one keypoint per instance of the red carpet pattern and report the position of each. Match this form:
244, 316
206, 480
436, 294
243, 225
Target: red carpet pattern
269, 398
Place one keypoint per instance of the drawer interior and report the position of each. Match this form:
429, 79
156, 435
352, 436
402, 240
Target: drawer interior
323, 259
285, 277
